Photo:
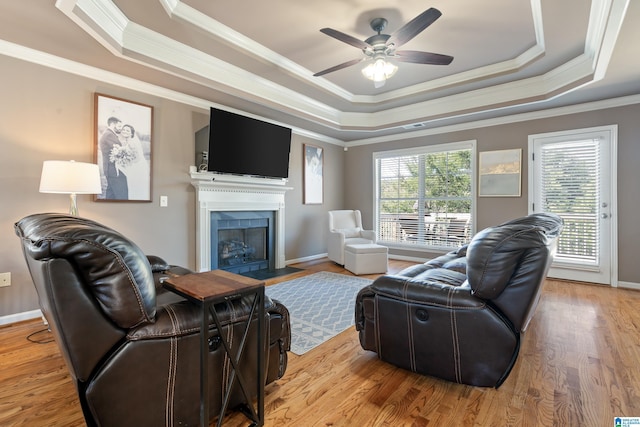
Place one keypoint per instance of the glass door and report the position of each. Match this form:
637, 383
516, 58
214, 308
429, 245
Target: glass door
572, 175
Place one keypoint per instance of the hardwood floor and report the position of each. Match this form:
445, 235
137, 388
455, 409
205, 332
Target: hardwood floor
579, 365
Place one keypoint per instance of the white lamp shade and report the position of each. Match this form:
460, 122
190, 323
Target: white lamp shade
69, 177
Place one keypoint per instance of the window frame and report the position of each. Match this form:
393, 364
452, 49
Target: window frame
422, 150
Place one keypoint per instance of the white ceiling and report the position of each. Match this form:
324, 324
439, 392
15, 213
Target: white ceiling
510, 56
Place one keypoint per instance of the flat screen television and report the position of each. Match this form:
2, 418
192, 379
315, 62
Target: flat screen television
245, 146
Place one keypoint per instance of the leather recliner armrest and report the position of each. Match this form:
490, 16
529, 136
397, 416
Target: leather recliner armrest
282, 311
438, 290
183, 318
157, 263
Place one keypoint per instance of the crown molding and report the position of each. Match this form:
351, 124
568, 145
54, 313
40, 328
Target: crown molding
562, 79
65, 65
112, 21
507, 119
601, 41
61, 64
126, 39
176, 9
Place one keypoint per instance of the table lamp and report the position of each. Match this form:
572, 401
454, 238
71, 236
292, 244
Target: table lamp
70, 177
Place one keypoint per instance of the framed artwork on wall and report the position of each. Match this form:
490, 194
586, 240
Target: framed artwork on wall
313, 175
500, 173
123, 149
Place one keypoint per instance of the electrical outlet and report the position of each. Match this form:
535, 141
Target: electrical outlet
5, 279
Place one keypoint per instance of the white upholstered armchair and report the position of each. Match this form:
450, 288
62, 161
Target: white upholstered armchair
345, 227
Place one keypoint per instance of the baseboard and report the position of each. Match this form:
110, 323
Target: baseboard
320, 256
629, 285
20, 317
305, 259
408, 258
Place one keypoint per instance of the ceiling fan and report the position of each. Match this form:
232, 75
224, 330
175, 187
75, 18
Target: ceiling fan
380, 47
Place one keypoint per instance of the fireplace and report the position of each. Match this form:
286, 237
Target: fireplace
242, 241
250, 200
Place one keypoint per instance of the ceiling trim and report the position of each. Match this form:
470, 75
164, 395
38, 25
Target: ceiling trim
485, 72
65, 65
87, 71
113, 21
107, 24
176, 9
601, 41
512, 118
128, 40
562, 79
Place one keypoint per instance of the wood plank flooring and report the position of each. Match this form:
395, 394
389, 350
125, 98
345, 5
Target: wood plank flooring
579, 365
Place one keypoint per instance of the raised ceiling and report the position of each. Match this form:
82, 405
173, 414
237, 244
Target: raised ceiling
259, 57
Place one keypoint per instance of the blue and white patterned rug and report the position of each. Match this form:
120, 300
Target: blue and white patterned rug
321, 306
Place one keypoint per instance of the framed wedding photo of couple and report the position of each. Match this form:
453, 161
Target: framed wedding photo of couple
123, 148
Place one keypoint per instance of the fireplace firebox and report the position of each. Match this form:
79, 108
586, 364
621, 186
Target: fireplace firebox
242, 241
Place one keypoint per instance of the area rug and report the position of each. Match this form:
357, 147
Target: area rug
321, 306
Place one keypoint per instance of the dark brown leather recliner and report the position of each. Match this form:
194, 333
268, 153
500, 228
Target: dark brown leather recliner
459, 316
132, 348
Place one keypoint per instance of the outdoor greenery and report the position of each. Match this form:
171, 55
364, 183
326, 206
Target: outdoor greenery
441, 182
570, 189
426, 199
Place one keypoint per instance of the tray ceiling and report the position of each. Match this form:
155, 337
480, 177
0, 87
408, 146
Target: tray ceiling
259, 57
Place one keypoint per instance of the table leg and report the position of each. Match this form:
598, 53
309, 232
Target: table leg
256, 415
204, 366
261, 356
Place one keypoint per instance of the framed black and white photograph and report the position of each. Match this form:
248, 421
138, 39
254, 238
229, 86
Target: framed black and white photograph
500, 173
313, 175
123, 148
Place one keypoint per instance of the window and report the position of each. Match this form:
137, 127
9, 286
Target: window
425, 197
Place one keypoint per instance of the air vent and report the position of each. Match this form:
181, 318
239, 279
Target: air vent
414, 126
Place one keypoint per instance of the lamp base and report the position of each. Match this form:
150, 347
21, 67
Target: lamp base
73, 208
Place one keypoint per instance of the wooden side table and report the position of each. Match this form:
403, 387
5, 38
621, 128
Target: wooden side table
209, 288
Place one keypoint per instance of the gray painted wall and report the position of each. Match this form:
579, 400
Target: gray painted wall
46, 114
494, 210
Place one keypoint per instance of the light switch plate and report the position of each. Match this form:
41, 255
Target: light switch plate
5, 279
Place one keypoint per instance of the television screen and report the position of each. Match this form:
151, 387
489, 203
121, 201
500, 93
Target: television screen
245, 146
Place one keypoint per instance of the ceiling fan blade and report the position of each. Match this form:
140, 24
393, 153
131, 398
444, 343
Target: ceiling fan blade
414, 27
339, 67
346, 38
416, 57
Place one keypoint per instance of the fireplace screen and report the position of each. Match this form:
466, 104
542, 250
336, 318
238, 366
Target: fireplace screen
242, 246
242, 241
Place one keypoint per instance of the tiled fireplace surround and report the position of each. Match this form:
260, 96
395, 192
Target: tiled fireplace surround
230, 193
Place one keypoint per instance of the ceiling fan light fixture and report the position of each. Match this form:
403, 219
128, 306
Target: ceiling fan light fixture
379, 70
380, 47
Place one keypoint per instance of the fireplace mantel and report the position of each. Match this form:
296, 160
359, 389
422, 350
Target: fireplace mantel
217, 192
